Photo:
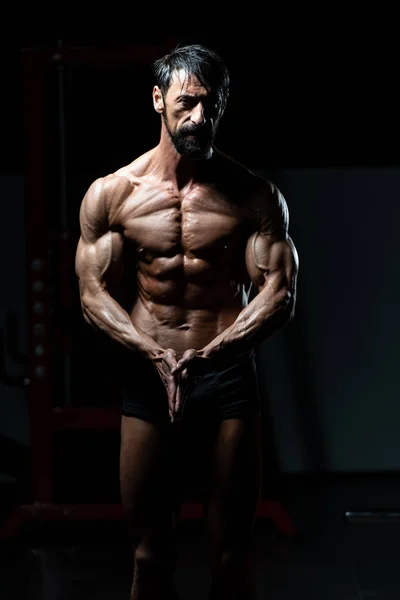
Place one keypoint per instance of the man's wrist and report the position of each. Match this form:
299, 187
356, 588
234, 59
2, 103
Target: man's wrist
209, 352
220, 354
152, 353
216, 355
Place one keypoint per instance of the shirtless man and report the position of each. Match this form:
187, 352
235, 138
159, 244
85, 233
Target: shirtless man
194, 230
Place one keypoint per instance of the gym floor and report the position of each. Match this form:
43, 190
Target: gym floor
331, 557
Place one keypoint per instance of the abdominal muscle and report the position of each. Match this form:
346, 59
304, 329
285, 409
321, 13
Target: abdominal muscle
181, 321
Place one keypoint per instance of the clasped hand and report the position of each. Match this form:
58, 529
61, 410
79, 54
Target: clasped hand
177, 376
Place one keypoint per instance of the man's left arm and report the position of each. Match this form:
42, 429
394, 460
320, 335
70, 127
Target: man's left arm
272, 263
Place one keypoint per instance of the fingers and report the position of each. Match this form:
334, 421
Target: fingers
188, 356
164, 365
175, 376
170, 358
181, 374
174, 390
178, 402
172, 393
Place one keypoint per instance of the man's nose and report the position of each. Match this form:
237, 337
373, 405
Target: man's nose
197, 114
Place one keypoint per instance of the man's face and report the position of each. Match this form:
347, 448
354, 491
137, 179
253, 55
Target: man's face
190, 115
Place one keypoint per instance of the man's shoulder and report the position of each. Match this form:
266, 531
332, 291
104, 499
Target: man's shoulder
136, 169
105, 187
269, 208
113, 188
264, 199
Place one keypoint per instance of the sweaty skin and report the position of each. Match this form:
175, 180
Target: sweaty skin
195, 252
194, 245
170, 246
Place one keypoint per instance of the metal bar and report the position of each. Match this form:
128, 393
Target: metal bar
39, 383
137, 55
189, 510
372, 516
61, 145
64, 238
86, 418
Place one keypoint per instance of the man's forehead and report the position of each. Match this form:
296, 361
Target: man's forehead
184, 83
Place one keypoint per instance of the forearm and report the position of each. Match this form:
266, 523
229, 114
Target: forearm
105, 314
266, 313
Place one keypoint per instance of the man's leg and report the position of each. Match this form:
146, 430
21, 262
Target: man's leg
144, 493
231, 507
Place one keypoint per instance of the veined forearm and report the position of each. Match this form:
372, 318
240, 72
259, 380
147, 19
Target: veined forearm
258, 320
105, 314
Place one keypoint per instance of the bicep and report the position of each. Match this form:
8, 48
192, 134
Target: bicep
273, 260
271, 256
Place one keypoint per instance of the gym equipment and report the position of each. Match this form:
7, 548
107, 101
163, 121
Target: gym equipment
62, 354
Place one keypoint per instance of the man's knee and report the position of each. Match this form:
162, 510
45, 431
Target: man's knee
150, 559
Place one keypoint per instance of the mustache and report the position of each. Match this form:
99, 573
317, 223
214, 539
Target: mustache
195, 129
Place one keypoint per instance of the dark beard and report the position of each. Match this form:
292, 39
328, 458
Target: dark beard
192, 142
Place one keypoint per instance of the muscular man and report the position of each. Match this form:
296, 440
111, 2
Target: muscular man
194, 229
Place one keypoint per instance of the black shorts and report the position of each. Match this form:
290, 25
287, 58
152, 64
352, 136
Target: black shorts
226, 391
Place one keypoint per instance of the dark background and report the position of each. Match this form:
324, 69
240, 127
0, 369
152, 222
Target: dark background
315, 111
316, 96
314, 106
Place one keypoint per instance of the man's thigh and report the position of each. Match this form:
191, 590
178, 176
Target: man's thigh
234, 484
147, 482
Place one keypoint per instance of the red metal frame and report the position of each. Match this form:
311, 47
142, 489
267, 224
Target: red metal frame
45, 419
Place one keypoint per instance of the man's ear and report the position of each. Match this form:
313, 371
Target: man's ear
158, 100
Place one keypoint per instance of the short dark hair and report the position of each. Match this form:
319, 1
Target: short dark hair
198, 60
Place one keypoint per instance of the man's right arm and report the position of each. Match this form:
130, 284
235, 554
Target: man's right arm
99, 253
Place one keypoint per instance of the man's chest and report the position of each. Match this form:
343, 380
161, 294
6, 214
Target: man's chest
192, 223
